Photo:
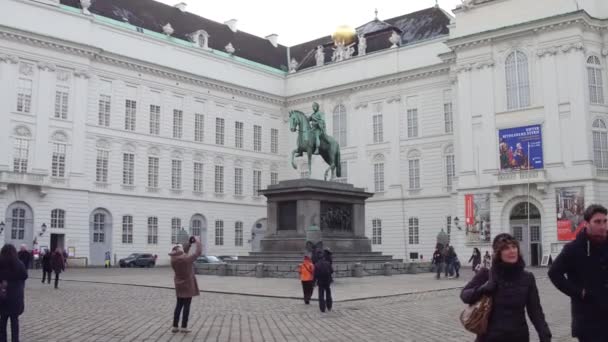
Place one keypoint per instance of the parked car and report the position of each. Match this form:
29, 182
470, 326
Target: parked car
228, 257
138, 260
209, 259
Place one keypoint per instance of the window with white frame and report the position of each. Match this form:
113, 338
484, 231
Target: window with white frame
128, 168
105, 103
600, 144
378, 129
99, 228
219, 131
414, 236
379, 176
130, 114
238, 134
376, 232
196, 226
153, 165
58, 160
178, 122
414, 173
238, 233
199, 127
20, 155
595, 79
198, 177
127, 229
154, 119
238, 181
448, 117
412, 123
101, 168
274, 178
61, 102
219, 179
257, 182
24, 96
152, 230
517, 80
343, 172
176, 174
219, 233
18, 224
58, 218
257, 138
176, 225
450, 171
274, 140
339, 124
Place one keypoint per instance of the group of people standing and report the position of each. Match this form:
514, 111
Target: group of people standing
445, 259
319, 272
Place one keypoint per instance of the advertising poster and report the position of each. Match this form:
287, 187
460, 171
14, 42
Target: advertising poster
477, 214
513, 148
570, 204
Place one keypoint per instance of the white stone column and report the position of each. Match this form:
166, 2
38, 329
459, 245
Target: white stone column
360, 171
392, 118
8, 82
465, 148
579, 105
485, 94
80, 114
551, 130
43, 109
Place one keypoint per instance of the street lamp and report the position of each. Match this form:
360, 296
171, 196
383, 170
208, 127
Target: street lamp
1, 227
42, 229
457, 223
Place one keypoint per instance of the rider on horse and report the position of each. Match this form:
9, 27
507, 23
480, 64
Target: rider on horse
317, 121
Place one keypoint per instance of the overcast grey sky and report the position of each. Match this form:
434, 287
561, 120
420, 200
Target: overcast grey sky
300, 21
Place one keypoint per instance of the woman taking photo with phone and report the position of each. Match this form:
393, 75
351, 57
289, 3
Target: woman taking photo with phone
186, 286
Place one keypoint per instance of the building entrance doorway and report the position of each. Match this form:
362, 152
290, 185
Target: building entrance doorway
57, 240
525, 222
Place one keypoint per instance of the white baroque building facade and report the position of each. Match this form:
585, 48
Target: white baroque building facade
116, 134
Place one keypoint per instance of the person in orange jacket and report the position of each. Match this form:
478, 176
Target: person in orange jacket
307, 276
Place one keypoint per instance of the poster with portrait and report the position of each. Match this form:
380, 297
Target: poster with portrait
570, 204
513, 147
477, 216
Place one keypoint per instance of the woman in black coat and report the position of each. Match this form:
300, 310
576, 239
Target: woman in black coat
513, 291
12, 275
476, 258
46, 266
57, 264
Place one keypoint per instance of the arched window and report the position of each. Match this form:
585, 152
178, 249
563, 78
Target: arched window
339, 125
176, 225
99, 228
450, 167
58, 218
376, 232
238, 233
600, 144
594, 73
518, 82
219, 233
197, 223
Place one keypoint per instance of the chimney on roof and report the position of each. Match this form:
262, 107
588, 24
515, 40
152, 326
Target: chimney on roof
231, 24
273, 38
181, 6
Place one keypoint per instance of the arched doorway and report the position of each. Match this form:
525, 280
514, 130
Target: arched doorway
258, 232
100, 224
525, 222
19, 225
198, 227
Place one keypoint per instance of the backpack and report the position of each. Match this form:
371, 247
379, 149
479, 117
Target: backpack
475, 317
3, 290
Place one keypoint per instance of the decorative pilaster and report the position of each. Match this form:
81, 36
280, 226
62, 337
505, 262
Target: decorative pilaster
8, 81
81, 90
43, 105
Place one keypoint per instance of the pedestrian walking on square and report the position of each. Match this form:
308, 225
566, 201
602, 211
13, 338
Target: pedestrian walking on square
12, 284
307, 277
580, 271
438, 261
108, 260
323, 278
186, 286
451, 259
487, 260
513, 291
476, 258
46, 266
57, 264
25, 256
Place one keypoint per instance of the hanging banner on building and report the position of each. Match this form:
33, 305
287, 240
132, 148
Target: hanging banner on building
469, 209
513, 148
570, 204
477, 214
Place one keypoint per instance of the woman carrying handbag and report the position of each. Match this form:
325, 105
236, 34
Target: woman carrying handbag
512, 291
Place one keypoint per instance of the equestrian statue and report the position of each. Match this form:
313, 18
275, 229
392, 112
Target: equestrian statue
313, 139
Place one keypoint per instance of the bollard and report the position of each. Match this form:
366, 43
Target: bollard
259, 270
388, 268
358, 270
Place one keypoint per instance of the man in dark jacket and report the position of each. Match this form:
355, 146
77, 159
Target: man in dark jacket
323, 278
25, 256
581, 272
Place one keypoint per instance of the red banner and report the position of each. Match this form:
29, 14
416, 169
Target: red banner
564, 230
469, 210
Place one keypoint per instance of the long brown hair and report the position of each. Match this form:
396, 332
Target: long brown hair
8, 257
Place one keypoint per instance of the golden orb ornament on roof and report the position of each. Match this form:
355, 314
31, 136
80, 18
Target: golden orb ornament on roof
344, 35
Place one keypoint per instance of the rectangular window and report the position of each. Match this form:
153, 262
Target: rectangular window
101, 169
152, 230
130, 114
448, 117
238, 181
198, 177
219, 233
58, 160
238, 234
176, 174
176, 225
154, 119
104, 110
274, 140
199, 127
257, 182
61, 103
128, 168
414, 168
379, 177
219, 179
412, 123
274, 178
58, 218
257, 138
378, 129
450, 170
24, 96
127, 229
343, 173
238, 134
178, 120
153, 164
414, 238
20, 155
376, 232
219, 131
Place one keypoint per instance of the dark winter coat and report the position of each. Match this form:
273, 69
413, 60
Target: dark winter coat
25, 257
476, 258
515, 293
15, 274
323, 273
57, 262
586, 267
46, 262
437, 258
182, 263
